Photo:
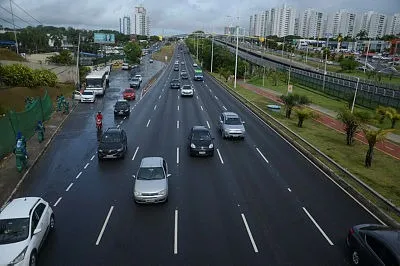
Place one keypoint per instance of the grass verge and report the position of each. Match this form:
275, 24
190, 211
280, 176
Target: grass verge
383, 176
164, 51
6, 54
321, 99
13, 98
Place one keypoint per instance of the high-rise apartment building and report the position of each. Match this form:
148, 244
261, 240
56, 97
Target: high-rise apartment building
125, 25
374, 24
343, 23
141, 22
393, 25
311, 24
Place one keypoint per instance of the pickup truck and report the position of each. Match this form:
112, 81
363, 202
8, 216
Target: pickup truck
134, 83
175, 84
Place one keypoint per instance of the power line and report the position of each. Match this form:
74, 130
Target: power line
27, 13
9, 12
10, 22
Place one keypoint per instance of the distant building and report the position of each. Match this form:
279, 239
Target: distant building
141, 22
125, 25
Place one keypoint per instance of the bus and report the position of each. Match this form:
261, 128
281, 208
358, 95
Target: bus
96, 81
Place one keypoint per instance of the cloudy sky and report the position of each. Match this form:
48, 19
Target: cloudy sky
168, 16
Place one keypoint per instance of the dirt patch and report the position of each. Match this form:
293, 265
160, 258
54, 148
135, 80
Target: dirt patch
165, 51
6, 54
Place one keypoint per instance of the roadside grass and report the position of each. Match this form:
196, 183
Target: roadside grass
383, 176
322, 99
13, 98
6, 54
164, 51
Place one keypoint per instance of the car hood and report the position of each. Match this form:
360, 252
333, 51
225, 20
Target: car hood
87, 96
129, 93
187, 90
150, 186
234, 127
10, 251
202, 143
134, 82
110, 146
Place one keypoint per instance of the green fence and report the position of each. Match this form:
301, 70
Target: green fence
25, 121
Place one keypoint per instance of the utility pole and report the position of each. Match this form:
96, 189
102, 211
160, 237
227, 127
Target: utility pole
236, 56
366, 56
212, 52
15, 33
326, 58
355, 95
77, 62
197, 46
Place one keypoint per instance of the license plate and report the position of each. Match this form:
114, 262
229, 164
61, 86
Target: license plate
202, 152
121, 112
149, 200
109, 156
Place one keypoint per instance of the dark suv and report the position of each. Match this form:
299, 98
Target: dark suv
373, 244
201, 142
113, 144
175, 84
122, 107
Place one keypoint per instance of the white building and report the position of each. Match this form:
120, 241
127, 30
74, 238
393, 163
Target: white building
311, 24
393, 25
141, 22
125, 25
343, 23
374, 24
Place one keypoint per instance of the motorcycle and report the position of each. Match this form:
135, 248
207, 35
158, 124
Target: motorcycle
99, 124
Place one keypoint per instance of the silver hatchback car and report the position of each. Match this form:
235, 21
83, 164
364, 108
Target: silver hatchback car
151, 181
231, 126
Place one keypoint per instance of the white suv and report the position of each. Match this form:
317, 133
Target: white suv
24, 225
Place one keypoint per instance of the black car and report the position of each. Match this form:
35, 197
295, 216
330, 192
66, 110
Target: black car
200, 142
184, 75
113, 144
373, 244
176, 67
122, 107
175, 84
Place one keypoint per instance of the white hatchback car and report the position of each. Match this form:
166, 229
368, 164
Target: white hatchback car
24, 225
187, 90
88, 96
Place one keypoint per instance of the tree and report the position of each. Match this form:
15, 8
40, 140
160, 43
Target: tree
373, 136
132, 52
362, 35
393, 115
293, 100
348, 63
63, 58
352, 122
224, 72
381, 113
303, 114
275, 77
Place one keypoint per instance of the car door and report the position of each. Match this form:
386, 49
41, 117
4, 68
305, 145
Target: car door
37, 222
125, 139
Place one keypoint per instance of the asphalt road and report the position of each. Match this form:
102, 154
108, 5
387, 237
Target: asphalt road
256, 202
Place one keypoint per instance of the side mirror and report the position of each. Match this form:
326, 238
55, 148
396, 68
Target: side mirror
133, 176
243, 122
168, 175
37, 231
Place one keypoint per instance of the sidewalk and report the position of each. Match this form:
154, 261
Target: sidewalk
9, 176
328, 118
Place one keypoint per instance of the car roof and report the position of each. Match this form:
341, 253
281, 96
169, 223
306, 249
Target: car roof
230, 114
391, 238
187, 85
151, 162
200, 128
19, 208
138, 75
122, 101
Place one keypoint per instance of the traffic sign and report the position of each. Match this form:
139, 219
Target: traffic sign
290, 88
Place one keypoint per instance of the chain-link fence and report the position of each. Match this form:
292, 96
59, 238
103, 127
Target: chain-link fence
26, 122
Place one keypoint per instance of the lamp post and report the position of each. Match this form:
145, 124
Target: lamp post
283, 45
77, 61
326, 59
212, 52
366, 55
355, 95
236, 54
307, 53
197, 46
15, 33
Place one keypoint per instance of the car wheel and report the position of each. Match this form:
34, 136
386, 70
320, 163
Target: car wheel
355, 258
33, 259
212, 154
52, 223
222, 134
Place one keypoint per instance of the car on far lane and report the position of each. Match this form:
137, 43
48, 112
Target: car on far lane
184, 75
151, 61
373, 244
125, 66
175, 84
194, 64
201, 142
183, 62
77, 95
88, 96
134, 83
24, 226
138, 76
113, 144
187, 90
231, 126
129, 94
122, 108
151, 181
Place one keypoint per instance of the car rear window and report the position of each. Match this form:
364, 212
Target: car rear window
87, 93
201, 135
111, 138
129, 90
186, 87
121, 104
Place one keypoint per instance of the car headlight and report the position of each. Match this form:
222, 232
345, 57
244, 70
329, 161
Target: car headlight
120, 149
211, 146
100, 150
20, 257
192, 146
162, 192
137, 193
126, 110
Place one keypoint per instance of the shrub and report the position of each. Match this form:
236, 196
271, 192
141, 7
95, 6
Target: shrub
23, 76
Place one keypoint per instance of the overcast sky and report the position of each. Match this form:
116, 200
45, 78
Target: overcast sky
172, 16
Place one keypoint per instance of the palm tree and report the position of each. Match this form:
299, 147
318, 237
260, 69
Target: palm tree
303, 114
373, 136
393, 115
224, 72
293, 100
352, 122
275, 77
381, 113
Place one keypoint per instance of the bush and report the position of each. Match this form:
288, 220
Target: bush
23, 76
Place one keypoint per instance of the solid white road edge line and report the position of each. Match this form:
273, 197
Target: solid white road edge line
176, 233
262, 155
155, 107
134, 155
87, 164
58, 201
319, 228
69, 187
148, 123
224, 107
201, 107
104, 225
92, 158
177, 155
249, 233
220, 157
208, 124
121, 122
177, 124
78, 175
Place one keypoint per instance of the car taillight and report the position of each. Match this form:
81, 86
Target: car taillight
351, 231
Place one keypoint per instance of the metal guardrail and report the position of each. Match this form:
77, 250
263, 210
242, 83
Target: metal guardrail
283, 130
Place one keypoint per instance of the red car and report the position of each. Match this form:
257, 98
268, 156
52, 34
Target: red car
129, 94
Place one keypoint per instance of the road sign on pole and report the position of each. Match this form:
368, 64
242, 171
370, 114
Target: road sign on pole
290, 88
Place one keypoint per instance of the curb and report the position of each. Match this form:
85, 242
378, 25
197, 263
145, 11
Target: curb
37, 158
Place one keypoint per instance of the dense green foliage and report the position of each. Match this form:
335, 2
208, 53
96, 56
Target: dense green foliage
348, 63
63, 58
133, 52
23, 76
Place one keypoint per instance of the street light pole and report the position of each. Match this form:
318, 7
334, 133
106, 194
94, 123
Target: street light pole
355, 95
77, 61
197, 46
263, 76
212, 52
366, 55
307, 52
326, 59
283, 45
15, 33
236, 54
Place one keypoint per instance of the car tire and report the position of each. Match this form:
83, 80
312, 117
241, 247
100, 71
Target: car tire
355, 258
52, 223
212, 154
223, 134
33, 258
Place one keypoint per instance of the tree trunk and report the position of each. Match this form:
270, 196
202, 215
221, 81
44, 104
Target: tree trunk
300, 122
368, 157
348, 137
393, 123
288, 112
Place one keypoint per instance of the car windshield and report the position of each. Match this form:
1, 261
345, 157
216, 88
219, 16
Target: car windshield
233, 121
150, 173
129, 90
121, 105
186, 88
13, 230
138, 76
94, 83
111, 138
87, 93
201, 135
175, 80
135, 79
